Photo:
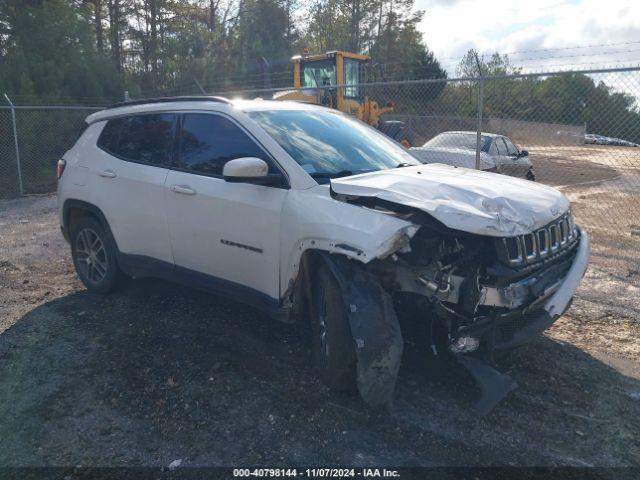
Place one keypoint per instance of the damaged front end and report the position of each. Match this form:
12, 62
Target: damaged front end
479, 294
487, 290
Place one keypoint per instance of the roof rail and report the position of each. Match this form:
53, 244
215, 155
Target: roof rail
186, 98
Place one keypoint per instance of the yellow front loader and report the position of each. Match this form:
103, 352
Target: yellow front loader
334, 79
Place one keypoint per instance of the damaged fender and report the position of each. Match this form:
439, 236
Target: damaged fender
374, 328
322, 224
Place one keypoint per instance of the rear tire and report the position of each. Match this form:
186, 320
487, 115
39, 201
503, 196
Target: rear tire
405, 136
94, 256
333, 347
400, 131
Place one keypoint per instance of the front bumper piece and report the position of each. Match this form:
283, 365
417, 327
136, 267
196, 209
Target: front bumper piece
516, 328
521, 325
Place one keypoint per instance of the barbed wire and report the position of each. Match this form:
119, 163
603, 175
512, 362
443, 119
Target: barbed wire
515, 52
391, 70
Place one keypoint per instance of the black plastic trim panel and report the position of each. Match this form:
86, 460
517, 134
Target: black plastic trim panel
143, 266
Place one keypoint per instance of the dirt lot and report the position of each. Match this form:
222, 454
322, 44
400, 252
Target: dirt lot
156, 373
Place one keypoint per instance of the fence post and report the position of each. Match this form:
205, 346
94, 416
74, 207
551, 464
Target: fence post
195, 80
479, 126
15, 141
480, 106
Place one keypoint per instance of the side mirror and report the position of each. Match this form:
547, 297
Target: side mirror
250, 170
524, 153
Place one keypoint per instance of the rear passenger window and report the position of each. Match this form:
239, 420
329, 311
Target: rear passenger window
110, 134
147, 138
209, 141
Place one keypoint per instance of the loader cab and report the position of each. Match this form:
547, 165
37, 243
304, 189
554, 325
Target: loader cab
331, 69
335, 80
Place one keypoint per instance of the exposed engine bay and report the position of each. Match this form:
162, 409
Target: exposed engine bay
475, 283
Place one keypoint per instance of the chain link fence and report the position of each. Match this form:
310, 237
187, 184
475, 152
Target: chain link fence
577, 131
581, 131
32, 140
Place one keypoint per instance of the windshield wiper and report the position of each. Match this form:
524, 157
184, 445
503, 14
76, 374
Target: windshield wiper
341, 173
405, 164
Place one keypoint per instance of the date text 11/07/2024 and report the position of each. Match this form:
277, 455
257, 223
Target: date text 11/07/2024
316, 472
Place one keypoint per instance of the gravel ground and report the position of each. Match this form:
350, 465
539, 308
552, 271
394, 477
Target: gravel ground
155, 373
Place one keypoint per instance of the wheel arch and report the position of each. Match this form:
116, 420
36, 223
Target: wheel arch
74, 209
372, 319
300, 290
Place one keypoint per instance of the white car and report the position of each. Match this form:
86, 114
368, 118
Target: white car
592, 138
497, 153
310, 215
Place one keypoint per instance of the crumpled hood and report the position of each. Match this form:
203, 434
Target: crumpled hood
463, 199
458, 157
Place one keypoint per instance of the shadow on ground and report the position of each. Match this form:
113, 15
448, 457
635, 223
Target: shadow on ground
156, 373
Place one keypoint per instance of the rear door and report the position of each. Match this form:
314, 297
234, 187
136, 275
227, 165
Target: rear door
495, 153
130, 172
227, 231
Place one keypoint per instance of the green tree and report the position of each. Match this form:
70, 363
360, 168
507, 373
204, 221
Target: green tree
50, 51
570, 98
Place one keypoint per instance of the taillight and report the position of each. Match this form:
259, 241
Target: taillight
60, 167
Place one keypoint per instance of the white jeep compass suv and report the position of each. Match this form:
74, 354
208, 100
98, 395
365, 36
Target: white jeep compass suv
308, 214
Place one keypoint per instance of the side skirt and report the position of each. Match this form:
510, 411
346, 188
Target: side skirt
141, 266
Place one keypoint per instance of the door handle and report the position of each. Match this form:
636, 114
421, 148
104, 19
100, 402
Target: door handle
107, 174
183, 189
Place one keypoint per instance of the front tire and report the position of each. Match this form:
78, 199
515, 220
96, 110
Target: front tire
333, 347
530, 175
94, 256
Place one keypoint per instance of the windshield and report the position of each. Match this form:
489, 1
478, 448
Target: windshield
328, 144
318, 73
459, 140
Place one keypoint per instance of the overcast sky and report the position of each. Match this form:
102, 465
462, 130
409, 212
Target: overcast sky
451, 27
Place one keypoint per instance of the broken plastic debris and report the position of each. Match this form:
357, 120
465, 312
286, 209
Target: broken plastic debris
465, 345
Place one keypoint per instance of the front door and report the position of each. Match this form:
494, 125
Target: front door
227, 231
512, 163
520, 164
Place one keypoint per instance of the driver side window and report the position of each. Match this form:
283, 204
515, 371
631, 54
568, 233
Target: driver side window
511, 148
209, 141
501, 147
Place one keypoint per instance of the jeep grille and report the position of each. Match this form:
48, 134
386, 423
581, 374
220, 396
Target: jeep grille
554, 238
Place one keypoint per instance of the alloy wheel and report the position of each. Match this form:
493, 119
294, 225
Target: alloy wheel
91, 255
